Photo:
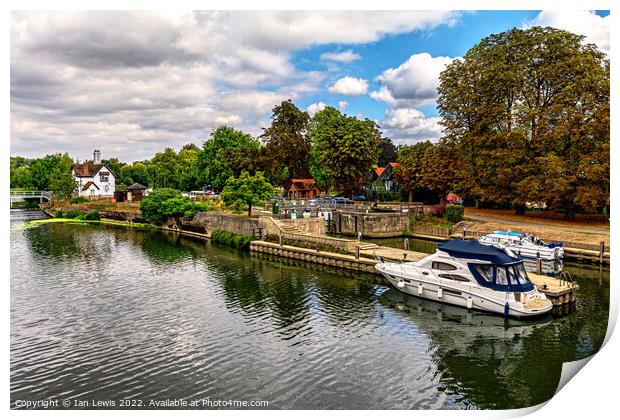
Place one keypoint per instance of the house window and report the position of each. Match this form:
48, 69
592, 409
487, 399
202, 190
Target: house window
92, 191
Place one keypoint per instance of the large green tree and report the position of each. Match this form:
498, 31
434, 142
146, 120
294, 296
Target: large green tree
345, 149
287, 143
247, 190
387, 152
528, 111
227, 153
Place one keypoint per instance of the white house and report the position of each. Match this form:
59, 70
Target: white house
94, 179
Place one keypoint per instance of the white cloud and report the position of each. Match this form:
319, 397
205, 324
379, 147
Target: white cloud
135, 82
316, 107
349, 86
583, 22
342, 57
383, 95
408, 125
412, 83
342, 105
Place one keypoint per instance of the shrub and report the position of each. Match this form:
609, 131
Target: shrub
151, 205
454, 213
78, 200
92, 215
234, 240
59, 214
71, 214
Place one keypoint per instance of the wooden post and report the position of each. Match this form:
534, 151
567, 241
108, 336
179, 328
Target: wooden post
280, 240
464, 232
359, 236
538, 266
406, 244
357, 252
600, 257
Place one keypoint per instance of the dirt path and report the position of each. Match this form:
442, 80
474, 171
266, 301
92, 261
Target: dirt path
493, 219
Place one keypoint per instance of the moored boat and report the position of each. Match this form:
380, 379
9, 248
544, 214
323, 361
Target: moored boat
471, 275
526, 246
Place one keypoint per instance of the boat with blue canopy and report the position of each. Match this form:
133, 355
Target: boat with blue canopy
472, 275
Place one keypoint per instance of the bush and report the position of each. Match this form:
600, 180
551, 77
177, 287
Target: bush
92, 215
234, 240
78, 200
59, 214
71, 214
454, 213
151, 205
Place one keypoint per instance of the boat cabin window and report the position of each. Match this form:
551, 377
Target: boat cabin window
500, 276
442, 266
521, 275
486, 272
456, 277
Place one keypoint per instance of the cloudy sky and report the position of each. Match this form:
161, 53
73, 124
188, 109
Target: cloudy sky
133, 83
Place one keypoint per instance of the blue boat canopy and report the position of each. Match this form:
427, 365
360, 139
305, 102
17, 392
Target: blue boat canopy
473, 250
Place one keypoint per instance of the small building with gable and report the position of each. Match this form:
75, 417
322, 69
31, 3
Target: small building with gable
95, 180
302, 189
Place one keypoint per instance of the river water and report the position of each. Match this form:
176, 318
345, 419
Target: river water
107, 313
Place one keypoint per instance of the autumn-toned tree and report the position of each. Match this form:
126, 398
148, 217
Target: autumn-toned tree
527, 111
410, 165
439, 169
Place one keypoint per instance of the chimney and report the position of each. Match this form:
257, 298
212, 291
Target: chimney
96, 156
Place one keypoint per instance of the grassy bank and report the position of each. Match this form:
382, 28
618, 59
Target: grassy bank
35, 223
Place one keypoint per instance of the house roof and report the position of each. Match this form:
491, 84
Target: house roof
393, 164
379, 171
302, 184
88, 184
136, 186
86, 169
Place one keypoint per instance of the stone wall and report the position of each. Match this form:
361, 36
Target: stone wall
372, 225
210, 221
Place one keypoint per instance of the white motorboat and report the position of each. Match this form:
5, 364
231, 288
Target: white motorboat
471, 275
526, 246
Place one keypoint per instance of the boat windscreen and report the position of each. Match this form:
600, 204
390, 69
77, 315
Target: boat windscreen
509, 277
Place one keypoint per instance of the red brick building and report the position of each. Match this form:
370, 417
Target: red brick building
302, 189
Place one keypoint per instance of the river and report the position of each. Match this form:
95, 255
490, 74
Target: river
110, 313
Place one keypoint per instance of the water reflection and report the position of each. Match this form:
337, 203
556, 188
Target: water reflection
114, 312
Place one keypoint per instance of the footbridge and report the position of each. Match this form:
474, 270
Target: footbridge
21, 195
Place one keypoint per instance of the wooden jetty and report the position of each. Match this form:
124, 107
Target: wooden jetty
559, 291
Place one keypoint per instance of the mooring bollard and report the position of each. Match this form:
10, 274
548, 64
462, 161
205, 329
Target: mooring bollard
538, 266
357, 252
602, 252
464, 232
406, 244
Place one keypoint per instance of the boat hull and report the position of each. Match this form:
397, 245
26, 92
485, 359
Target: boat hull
469, 296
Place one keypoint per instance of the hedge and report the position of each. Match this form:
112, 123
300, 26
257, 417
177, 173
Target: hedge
454, 213
234, 240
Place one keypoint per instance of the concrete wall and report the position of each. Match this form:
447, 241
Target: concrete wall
210, 221
372, 225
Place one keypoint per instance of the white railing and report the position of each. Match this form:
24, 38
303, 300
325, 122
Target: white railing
21, 194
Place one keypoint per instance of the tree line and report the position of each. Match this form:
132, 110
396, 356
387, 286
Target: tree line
525, 116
